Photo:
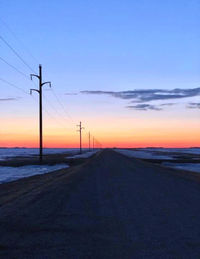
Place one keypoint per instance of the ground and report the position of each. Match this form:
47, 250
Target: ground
110, 207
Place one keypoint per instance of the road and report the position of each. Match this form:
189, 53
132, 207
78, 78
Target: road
110, 207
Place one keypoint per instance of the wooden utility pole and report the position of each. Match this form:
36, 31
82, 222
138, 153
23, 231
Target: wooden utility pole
93, 143
89, 141
80, 131
40, 106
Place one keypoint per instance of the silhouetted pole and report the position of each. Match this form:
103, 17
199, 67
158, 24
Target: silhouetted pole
80, 131
93, 143
89, 141
40, 106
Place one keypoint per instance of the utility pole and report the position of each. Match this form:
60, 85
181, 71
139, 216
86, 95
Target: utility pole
39, 91
89, 141
93, 143
80, 131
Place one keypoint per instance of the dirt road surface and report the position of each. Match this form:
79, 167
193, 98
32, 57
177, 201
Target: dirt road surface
110, 207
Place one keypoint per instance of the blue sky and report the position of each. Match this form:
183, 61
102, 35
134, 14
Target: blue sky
101, 45
111, 44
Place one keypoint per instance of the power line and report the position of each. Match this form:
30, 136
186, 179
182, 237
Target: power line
16, 53
28, 66
61, 105
53, 107
17, 87
54, 118
20, 89
17, 38
23, 74
15, 68
56, 96
11, 84
45, 110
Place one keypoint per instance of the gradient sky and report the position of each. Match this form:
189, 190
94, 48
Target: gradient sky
101, 46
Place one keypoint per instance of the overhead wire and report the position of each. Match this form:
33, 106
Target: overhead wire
15, 68
16, 53
55, 110
13, 85
61, 105
22, 90
17, 38
30, 68
54, 118
22, 73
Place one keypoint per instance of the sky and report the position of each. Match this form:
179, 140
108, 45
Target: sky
129, 70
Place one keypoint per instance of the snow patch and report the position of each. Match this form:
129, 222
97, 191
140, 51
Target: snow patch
26, 152
142, 154
175, 150
183, 166
8, 174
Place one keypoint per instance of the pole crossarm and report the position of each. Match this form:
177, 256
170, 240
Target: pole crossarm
36, 90
80, 128
46, 83
33, 75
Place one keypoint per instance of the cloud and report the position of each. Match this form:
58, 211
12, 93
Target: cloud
71, 94
140, 96
7, 99
193, 106
168, 104
144, 107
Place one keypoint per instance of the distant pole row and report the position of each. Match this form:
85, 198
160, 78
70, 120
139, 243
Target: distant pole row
80, 128
94, 141
39, 91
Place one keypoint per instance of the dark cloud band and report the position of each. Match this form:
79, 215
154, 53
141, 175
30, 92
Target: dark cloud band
141, 98
144, 107
7, 99
194, 106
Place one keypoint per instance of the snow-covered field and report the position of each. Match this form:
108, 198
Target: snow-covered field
142, 154
13, 152
183, 166
188, 155
8, 174
174, 150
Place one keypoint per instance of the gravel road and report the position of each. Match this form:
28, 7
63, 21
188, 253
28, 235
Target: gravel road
110, 207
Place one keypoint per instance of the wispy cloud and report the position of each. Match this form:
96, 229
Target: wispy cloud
8, 99
144, 107
71, 94
142, 98
168, 104
193, 106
